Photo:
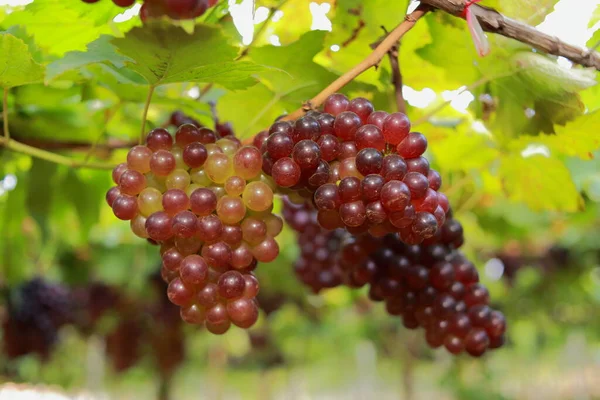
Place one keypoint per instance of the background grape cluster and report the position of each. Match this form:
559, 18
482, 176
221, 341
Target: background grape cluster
358, 191
175, 9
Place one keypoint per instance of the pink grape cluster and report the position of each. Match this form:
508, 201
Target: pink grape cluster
363, 169
175, 9
206, 202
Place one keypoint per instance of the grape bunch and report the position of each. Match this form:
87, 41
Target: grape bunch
175, 9
317, 266
35, 312
204, 199
430, 285
363, 170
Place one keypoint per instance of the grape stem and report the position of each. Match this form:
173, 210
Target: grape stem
145, 114
371, 60
493, 21
5, 114
52, 157
394, 56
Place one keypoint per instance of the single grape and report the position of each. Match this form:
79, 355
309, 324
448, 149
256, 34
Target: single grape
348, 168
369, 161
418, 164
305, 128
193, 314
138, 226
369, 136
125, 207
325, 123
231, 210
413, 145
336, 104
247, 162
194, 270
159, 139
476, 342
179, 293
393, 168
395, 195
203, 201
254, 230
327, 197
112, 194
209, 228
241, 257
306, 154
178, 179
417, 184
353, 214
174, 201
349, 189
231, 285
158, 226
329, 146
395, 128
377, 118
138, 159
371, 187
162, 163
346, 124
279, 145
361, 107
243, 312
218, 167
184, 224
286, 172
266, 251
217, 255
132, 182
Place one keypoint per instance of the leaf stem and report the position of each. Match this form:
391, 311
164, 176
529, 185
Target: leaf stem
145, 114
371, 60
5, 113
52, 157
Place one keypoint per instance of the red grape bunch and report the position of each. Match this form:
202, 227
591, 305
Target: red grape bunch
205, 200
363, 169
175, 9
430, 285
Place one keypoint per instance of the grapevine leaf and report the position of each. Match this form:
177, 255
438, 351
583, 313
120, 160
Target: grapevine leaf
99, 51
61, 26
547, 78
459, 151
16, 63
167, 54
540, 182
304, 77
578, 138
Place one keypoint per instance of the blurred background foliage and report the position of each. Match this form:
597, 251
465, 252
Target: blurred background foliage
515, 136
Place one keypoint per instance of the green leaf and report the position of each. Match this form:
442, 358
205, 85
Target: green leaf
99, 51
167, 54
460, 151
39, 192
60, 26
548, 78
578, 138
16, 63
540, 182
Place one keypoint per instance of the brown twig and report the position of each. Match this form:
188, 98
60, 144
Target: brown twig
112, 144
494, 22
372, 59
394, 56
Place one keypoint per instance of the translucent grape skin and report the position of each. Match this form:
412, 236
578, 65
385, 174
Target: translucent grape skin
203, 201
125, 207
346, 124
159, 139
412, 146
369, 136
247, 162
138, 159
336, 104
194, 270
395, 128
361, 107
369, 161
195, 154
305, 128
306, 154
279, 145
231, 285
395, 195
162, 163
286, 172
